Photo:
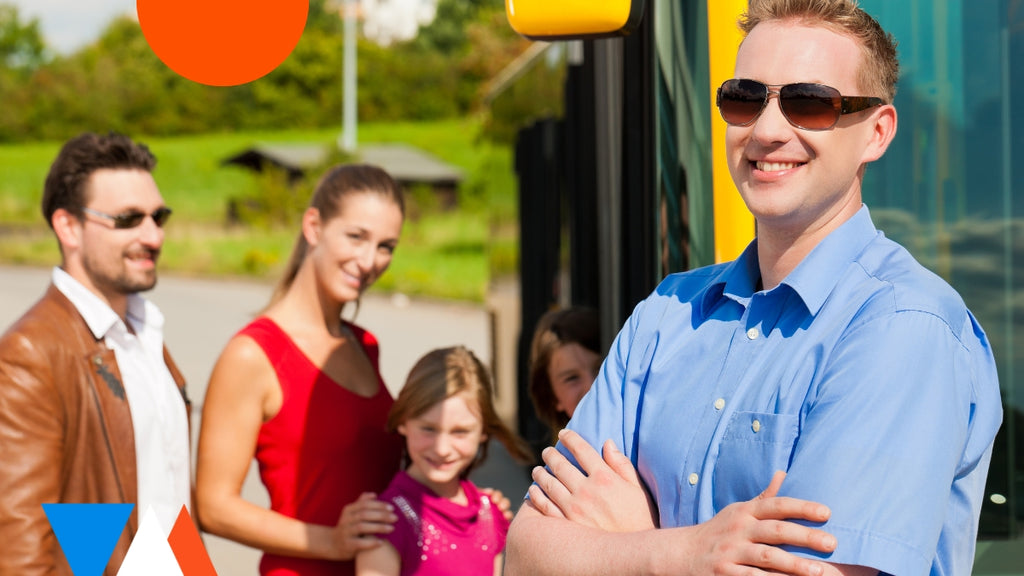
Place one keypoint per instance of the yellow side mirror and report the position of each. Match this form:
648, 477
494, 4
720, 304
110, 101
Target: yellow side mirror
573, 19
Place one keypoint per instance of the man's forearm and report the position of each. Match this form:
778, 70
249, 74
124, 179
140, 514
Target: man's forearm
743, 535
539, 546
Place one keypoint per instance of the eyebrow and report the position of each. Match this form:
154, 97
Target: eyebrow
457, 426
567, 372
363, 230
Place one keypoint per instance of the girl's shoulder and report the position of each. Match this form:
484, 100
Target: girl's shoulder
488, 508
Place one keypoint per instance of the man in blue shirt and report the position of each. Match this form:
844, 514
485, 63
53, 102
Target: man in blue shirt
825, 350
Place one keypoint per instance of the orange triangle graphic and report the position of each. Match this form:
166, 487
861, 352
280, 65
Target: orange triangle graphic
188, 547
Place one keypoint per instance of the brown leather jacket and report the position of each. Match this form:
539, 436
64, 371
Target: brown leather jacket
65, 433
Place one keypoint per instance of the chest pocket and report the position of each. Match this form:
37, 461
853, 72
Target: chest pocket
754, 446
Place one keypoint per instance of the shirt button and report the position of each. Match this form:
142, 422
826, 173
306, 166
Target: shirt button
693, 479
720, 403
752, 334
756, 426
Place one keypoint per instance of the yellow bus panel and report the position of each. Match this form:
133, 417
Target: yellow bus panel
734, 225
564, 19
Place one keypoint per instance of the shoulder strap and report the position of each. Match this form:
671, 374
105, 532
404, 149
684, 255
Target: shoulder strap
369, 343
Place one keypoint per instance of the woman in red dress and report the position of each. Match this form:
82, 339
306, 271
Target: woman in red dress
299, 389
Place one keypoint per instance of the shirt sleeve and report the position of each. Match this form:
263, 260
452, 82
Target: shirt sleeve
31, 444
405, 534
500, 526
883, 443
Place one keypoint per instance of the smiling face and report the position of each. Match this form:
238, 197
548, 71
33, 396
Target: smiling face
442, 442
572, 371
798, 182
353, 249
113, 263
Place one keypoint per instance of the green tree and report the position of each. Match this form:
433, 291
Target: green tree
117, 83
324, 16
447, 34
21, 43
305, 90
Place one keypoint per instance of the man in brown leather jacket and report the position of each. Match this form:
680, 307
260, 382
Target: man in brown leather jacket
92, 408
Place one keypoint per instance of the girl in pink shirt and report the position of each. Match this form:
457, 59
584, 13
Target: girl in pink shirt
446, 526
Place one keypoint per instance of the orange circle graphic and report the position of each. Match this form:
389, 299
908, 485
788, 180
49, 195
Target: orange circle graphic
222, 42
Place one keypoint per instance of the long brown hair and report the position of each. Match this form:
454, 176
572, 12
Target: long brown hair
446, 372
557, 328
340, 182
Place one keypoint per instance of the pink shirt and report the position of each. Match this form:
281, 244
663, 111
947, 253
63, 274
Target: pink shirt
437, 537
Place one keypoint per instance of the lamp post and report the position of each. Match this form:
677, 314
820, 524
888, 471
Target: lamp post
347, 140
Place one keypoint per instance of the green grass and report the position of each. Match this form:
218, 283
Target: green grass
31, 247
22, 172
442, 254
445, 253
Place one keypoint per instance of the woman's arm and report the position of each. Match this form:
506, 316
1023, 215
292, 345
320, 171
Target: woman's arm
380, 561
243, 392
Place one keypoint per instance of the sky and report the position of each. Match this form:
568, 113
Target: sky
70, 24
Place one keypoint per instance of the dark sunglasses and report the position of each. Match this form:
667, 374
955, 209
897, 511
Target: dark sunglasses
805, 105
133, 218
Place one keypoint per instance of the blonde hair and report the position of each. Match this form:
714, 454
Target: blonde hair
447, 372
338, 183
880, 67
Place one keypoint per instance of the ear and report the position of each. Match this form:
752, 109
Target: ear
882, 132
68, 229
401, 429
311, 226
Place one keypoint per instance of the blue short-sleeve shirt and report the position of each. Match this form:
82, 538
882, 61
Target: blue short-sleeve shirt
863, 375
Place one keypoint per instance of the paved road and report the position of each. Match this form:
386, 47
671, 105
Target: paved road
203, 314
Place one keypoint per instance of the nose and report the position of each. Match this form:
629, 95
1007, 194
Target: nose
151, 235
772, 125
442, 445
365, 257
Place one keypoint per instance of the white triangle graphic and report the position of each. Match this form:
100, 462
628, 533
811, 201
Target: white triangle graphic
150, 554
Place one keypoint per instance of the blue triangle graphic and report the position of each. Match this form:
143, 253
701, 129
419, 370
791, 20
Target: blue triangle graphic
88, 533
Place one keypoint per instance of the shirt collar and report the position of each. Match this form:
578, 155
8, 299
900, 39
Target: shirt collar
98, 315
816, 276
812, 280
736, 280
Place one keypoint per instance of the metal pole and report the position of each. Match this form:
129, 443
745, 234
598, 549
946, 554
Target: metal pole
1009, 400
349, 120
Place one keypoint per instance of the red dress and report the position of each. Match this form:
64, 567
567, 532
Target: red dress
324, 448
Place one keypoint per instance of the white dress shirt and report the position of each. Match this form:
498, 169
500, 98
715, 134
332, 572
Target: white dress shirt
158, 411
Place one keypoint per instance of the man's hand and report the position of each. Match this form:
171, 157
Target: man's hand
741, 539
608, 496
748, 533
